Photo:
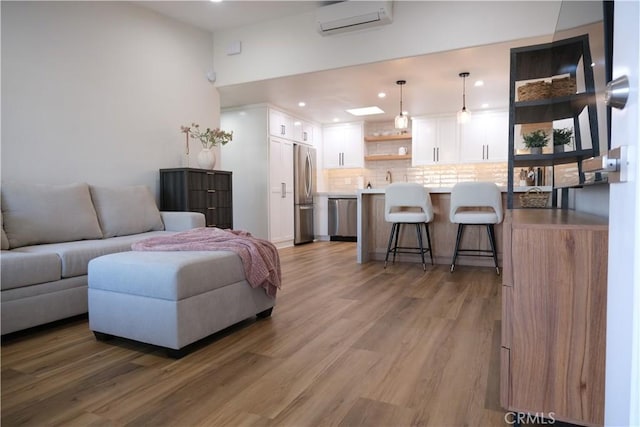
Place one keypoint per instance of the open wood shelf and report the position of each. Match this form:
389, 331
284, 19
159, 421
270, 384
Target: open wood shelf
402, 137
377, 157
547, 110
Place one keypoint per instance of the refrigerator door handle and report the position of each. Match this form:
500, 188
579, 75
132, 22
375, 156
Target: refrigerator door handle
283, 190
308, 174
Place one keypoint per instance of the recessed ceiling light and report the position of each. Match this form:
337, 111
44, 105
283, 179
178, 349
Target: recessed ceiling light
381, 95
485, 106
302, 104
215, 1
478, 83
365, 111
335, 119
297, 123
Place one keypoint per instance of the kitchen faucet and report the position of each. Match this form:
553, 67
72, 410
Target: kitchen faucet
388, 177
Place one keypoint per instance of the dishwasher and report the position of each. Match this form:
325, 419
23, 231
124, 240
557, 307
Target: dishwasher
343, 213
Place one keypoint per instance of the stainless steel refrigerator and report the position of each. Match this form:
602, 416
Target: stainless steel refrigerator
304, 185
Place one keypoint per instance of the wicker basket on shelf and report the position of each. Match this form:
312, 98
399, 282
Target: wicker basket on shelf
563, 86
534, 198
534, 91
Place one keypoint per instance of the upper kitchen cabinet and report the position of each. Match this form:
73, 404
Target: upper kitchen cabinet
343, 145
552, 83
303, 132
280, 124
283, 125
485, 138
434, 140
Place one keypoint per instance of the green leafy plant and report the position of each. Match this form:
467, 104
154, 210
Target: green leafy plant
562, 136
535, 139
209, 137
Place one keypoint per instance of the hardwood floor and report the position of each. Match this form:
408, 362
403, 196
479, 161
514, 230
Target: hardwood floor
347, 344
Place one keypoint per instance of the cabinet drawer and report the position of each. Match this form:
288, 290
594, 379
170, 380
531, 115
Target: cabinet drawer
208, 192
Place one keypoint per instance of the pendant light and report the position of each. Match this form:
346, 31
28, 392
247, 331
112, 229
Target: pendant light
464, 115
402, 121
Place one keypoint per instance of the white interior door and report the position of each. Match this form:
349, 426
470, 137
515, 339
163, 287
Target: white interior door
622, 394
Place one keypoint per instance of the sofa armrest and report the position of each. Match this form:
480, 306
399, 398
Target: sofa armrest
181, 221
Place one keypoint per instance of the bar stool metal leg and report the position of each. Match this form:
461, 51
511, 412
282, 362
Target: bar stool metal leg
426, 227
419, 230
393, 229
395, 244
492, 242
455, 252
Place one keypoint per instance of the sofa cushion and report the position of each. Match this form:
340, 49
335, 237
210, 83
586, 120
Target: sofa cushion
48, 213
19, 269
5, 241
75, 256
168, 275
123, 211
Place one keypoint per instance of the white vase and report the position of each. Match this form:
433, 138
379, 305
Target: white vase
206, 158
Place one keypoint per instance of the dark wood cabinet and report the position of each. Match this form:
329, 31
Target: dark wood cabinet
198, 190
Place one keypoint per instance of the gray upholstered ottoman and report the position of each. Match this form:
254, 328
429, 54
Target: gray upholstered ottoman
170, 299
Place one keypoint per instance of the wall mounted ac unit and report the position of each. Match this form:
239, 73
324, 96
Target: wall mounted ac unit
353, 15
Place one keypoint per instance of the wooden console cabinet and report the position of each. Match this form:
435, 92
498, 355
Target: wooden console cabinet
198, 190
554, 314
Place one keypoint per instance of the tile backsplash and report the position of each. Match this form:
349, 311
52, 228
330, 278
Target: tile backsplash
401, 170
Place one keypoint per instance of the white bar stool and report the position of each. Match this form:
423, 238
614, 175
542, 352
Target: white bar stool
469, 201
403, 195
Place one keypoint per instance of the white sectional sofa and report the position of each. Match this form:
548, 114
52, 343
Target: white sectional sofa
51, 232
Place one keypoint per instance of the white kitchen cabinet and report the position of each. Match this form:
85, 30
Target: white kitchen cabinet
434, 140
280, 124
485, 138
302, 131
343, 145
281, 226
307, 133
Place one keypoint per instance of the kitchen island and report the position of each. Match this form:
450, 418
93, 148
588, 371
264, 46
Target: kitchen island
373, 230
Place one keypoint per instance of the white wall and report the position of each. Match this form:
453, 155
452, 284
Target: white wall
96, 92
248, 158
590, 199
291, 45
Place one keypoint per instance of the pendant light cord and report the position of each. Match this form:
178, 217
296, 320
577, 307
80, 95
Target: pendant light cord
464, 97
401, 121
401, 83
464, 76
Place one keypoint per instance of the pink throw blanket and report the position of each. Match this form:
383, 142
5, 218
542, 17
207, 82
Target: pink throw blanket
259, 257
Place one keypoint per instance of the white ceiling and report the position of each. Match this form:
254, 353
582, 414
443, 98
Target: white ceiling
433, 85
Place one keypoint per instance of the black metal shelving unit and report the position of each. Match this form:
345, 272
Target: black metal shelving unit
570, 56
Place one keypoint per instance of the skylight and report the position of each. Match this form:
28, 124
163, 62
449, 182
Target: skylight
365, 111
